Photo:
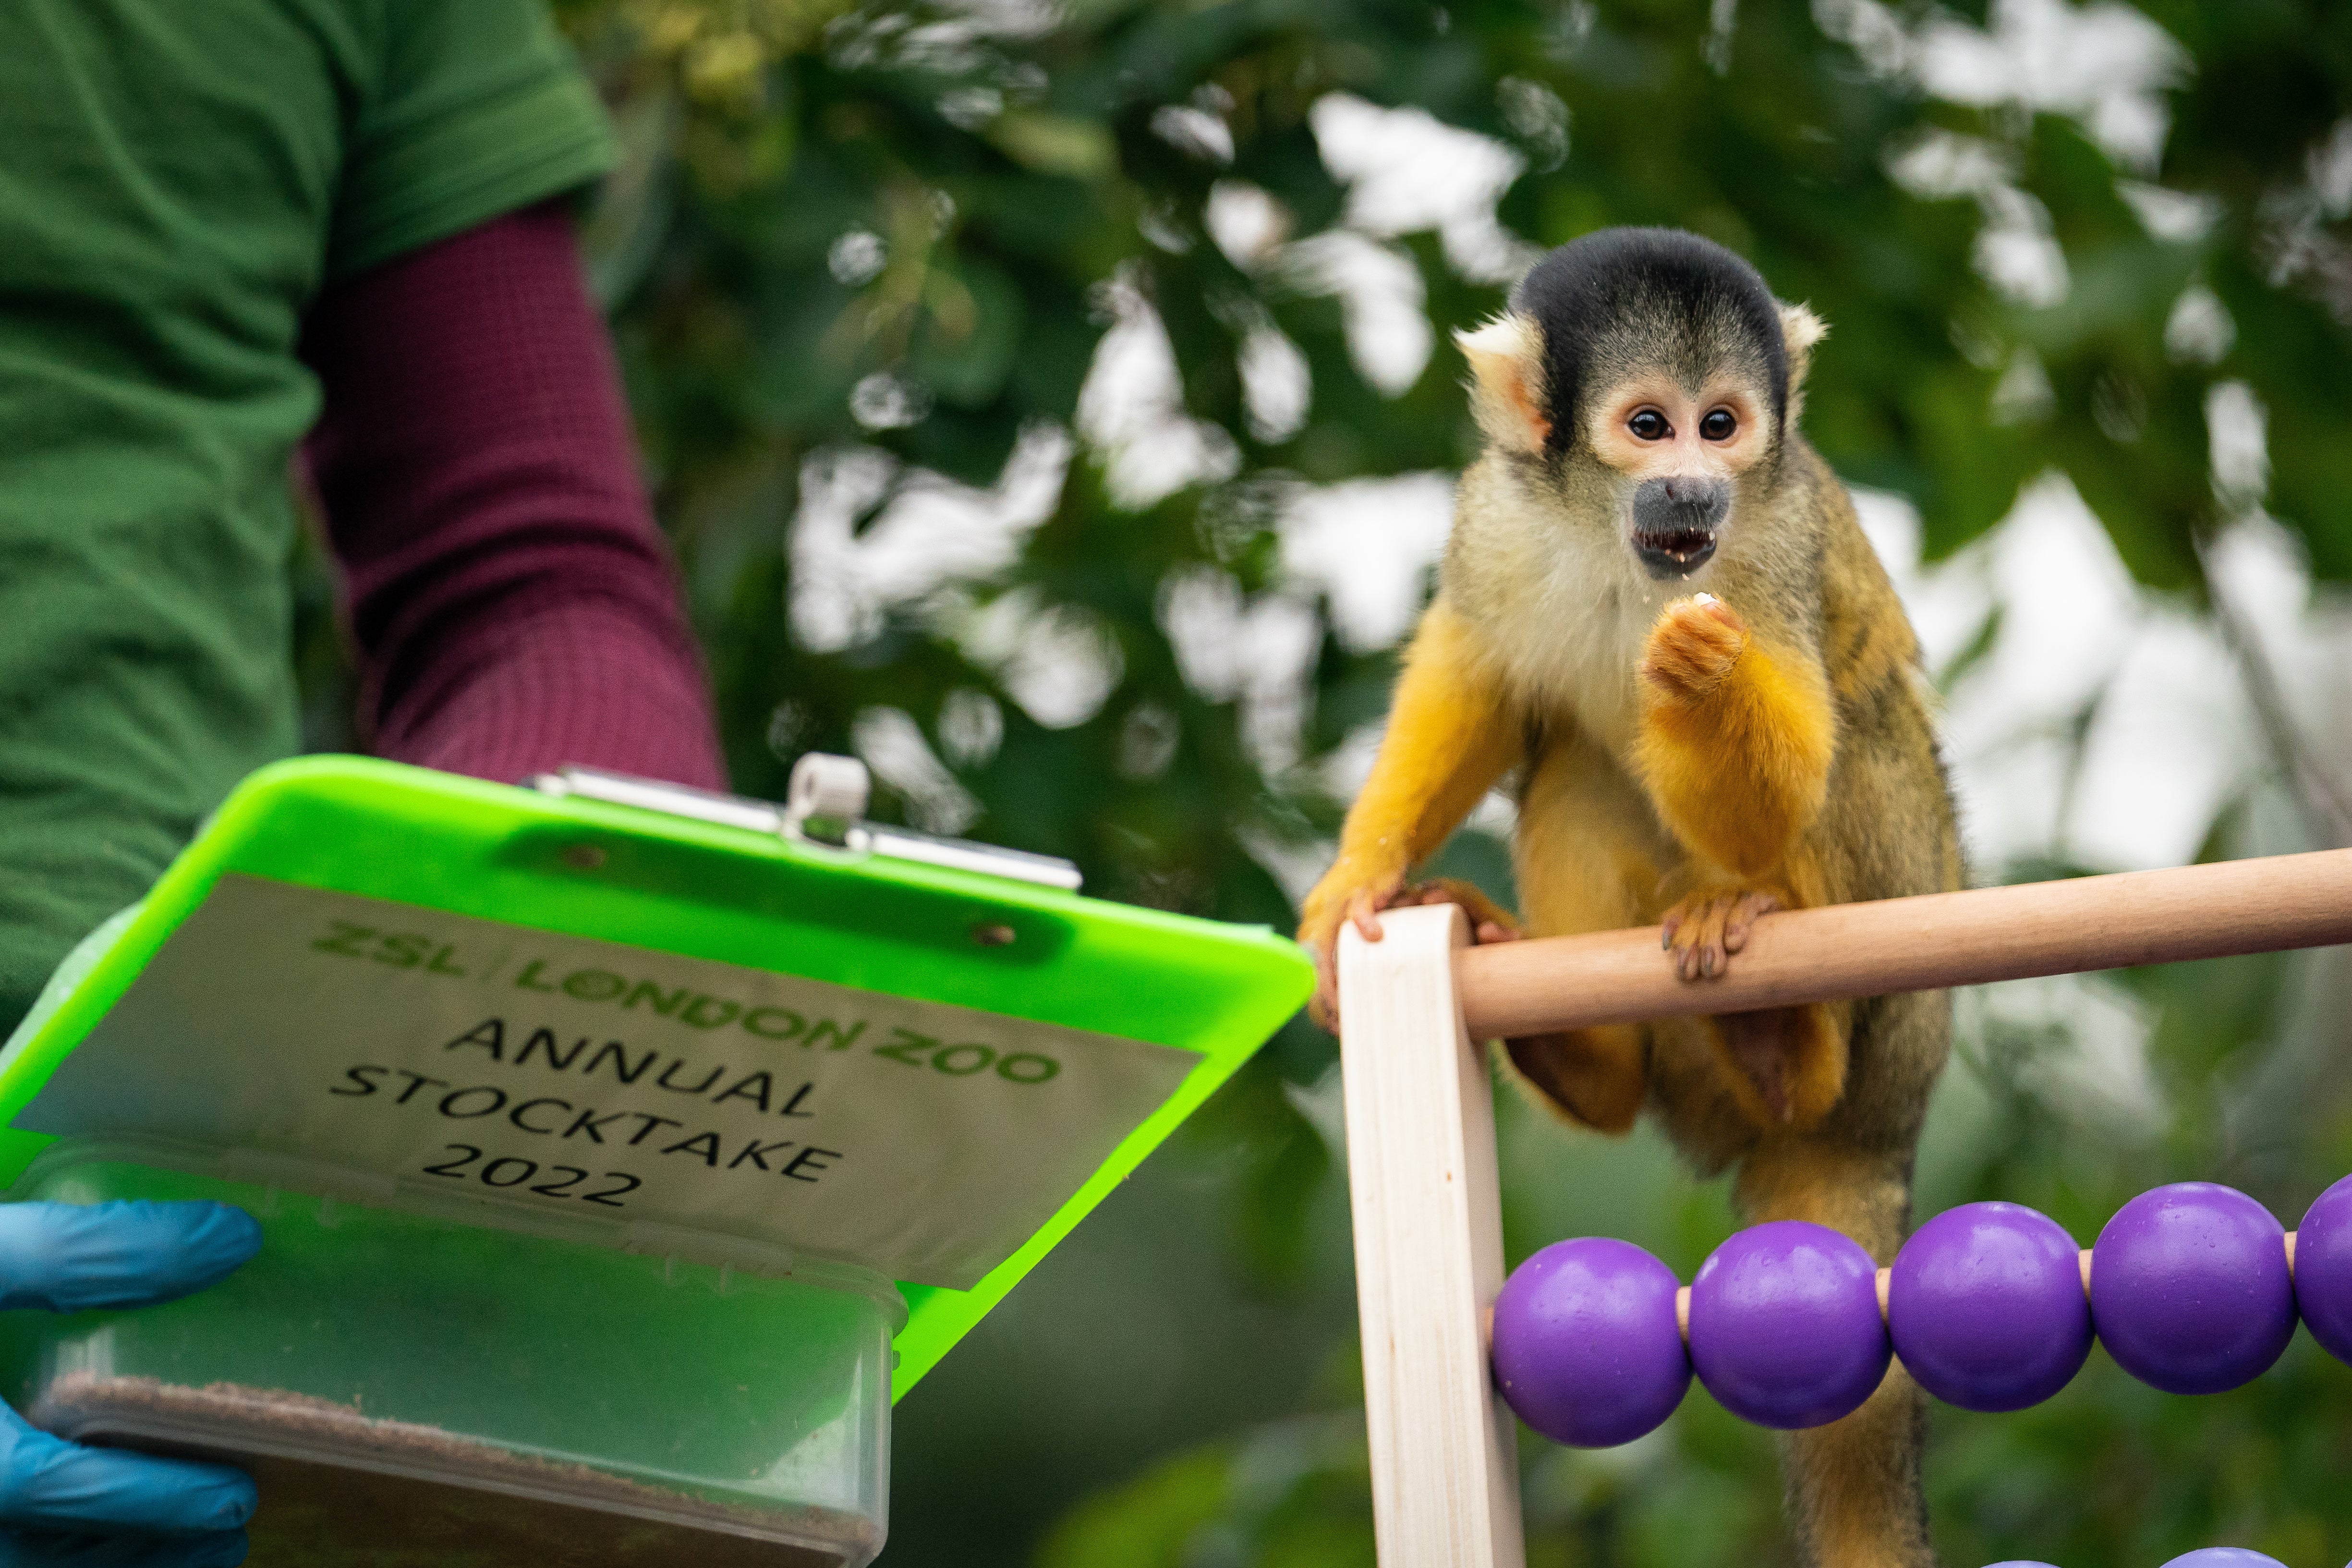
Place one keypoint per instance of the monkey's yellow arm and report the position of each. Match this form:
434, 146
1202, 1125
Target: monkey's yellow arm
1450, 737
1736, 742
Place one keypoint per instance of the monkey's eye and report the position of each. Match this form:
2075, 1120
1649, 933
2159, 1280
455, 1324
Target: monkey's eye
1649, 425
1718, 425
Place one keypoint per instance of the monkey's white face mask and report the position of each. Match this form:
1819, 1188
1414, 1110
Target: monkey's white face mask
1668, 445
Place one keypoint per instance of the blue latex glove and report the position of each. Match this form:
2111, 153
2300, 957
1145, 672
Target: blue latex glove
66, 1506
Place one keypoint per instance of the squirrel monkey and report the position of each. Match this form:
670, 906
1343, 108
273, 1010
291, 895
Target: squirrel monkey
1658, 611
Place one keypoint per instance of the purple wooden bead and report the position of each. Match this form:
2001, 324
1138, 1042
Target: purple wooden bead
2323, 1269
1587, 1349
2226, 1556
1986, 1307
2190, 1289
1784, 1325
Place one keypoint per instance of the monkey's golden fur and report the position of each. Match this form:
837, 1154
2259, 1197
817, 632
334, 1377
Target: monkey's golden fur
1672, 758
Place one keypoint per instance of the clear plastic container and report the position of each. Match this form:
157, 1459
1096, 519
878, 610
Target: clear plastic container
416, 1377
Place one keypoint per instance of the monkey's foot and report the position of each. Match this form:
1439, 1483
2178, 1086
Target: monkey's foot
1704, 930
1319, 932
1489, 921
1693, 648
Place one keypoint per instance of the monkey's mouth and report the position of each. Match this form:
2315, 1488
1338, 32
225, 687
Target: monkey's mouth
1676, 550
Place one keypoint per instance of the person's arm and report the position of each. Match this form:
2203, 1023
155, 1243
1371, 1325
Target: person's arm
511, 603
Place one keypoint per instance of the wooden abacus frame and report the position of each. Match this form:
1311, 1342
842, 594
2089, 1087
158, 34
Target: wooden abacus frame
1420, 1127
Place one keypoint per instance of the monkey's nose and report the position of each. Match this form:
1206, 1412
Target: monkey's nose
1674, 522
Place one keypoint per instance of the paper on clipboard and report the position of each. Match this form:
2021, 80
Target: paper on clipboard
924, 1140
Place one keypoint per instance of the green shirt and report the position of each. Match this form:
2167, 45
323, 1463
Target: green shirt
178, 179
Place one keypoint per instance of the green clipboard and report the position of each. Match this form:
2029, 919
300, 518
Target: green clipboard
344, 909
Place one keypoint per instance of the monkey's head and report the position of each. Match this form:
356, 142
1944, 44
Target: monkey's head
1650, 382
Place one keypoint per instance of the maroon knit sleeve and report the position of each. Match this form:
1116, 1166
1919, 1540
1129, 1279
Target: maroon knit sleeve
512, 604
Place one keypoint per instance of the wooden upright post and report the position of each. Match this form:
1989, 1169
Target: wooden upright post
1429, 1249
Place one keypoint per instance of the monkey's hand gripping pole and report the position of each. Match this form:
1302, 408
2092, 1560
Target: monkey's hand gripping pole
1421, 1127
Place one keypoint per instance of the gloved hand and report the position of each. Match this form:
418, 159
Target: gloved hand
66, 1506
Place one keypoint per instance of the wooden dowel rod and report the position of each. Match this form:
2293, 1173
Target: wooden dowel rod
2263, 905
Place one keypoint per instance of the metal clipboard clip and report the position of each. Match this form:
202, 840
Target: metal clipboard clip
824, 804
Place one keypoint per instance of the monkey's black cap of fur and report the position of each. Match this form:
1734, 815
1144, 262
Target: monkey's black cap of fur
1659, 296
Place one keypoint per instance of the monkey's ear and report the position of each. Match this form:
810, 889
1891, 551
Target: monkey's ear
1800, 330
1506, 388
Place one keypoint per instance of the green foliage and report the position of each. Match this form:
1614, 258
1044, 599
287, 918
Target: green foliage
1291, 1496
1004, 172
